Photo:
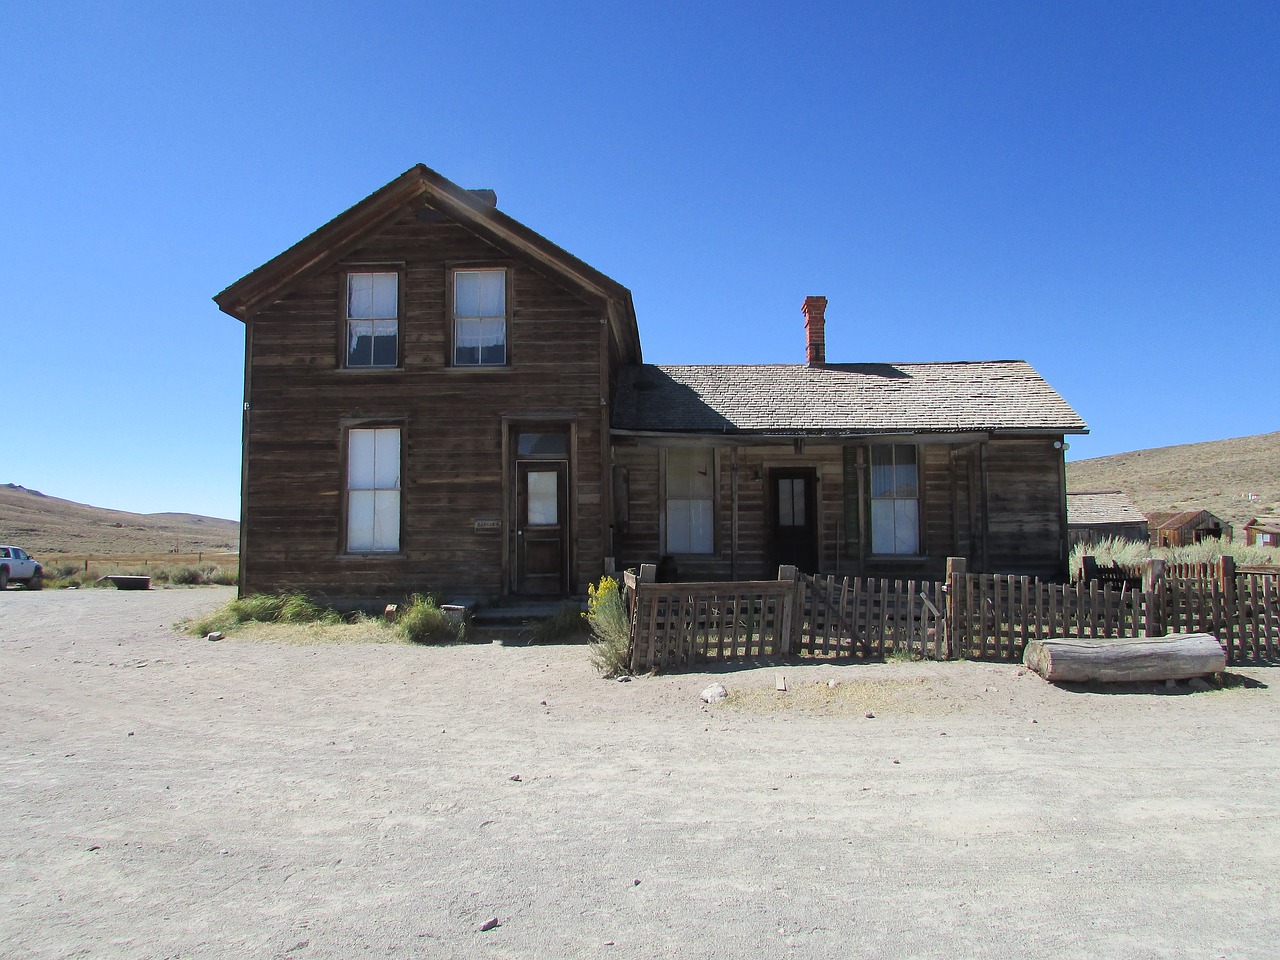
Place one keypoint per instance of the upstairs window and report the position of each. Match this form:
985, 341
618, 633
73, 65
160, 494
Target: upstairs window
373, 490
373, 319
690, 500
479, 318
895, 500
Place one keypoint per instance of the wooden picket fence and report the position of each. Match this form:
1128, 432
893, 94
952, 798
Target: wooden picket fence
868, 617
983, 616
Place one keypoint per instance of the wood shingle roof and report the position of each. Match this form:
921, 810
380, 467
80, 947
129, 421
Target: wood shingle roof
841, 399
1102, 506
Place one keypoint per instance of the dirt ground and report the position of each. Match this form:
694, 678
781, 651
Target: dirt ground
164, 796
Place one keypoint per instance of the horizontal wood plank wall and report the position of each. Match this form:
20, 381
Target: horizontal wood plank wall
1025, 526
451, 465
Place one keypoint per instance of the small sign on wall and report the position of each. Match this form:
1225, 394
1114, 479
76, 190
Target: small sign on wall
487, 526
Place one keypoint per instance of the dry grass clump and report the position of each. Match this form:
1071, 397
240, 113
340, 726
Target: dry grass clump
566, 625
424, 622
1132, 554
292, 608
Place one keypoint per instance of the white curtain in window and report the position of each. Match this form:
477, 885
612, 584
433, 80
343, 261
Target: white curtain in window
690, 500
895, 507
373, 485
480, 293
372, 296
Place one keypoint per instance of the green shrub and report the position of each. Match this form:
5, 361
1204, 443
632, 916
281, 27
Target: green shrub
424, 622
607, 615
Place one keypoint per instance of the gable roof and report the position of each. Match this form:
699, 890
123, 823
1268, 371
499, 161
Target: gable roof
1177, 519
326, 245
1264, 524
841, 399
1102, 506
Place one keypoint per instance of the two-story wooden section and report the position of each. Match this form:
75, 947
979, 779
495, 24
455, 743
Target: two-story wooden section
438, 398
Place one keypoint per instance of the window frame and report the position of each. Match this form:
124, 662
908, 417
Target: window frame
348, 428
873, 549
664, 473
452, 318
344, 320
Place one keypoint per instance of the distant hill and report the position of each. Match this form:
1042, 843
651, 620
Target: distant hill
45, 526
1218, 476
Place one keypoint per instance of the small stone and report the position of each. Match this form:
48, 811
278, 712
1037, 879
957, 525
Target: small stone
833, 683
1034, 720
897, 761
869, 715
211, 637
1199, 684
95, 847
488, 924
624, 679
543, 702
131, 733
1171, 684
635, 883
714, 693
515, 777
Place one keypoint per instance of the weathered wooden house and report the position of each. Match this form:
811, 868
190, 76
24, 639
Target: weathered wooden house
1262, 532
1179, 528
1094, 515
436, 397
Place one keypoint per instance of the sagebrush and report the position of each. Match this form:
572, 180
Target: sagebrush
607, 615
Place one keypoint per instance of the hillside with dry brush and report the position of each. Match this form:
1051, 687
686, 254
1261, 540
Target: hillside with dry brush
1234, 479
46, 526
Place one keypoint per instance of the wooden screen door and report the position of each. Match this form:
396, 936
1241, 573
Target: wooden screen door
541, 527
793, 502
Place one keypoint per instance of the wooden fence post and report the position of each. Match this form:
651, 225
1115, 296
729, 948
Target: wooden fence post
641, 629
790, 621
955, 629
1153, 598
1227, 580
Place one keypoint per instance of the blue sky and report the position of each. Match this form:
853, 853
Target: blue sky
1090, 186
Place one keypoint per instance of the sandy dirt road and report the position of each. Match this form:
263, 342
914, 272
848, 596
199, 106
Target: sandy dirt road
162, 796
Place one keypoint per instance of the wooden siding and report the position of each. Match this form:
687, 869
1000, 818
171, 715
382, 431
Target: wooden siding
452, 421
1023, 531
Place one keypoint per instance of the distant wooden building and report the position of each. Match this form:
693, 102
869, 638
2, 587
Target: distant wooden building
1101, 514
1262, 532
438, 398
1182, 527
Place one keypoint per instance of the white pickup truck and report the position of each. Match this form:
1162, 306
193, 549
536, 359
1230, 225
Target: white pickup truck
20, 567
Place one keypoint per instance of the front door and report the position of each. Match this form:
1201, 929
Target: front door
793, 504
541, 527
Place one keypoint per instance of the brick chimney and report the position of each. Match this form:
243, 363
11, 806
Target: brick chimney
815, 330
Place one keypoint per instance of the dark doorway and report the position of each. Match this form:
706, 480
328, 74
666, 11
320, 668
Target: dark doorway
542, 526
793, 505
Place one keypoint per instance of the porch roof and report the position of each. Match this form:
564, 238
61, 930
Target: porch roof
841, 399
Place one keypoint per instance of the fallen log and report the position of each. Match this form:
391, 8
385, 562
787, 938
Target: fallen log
1178, 656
